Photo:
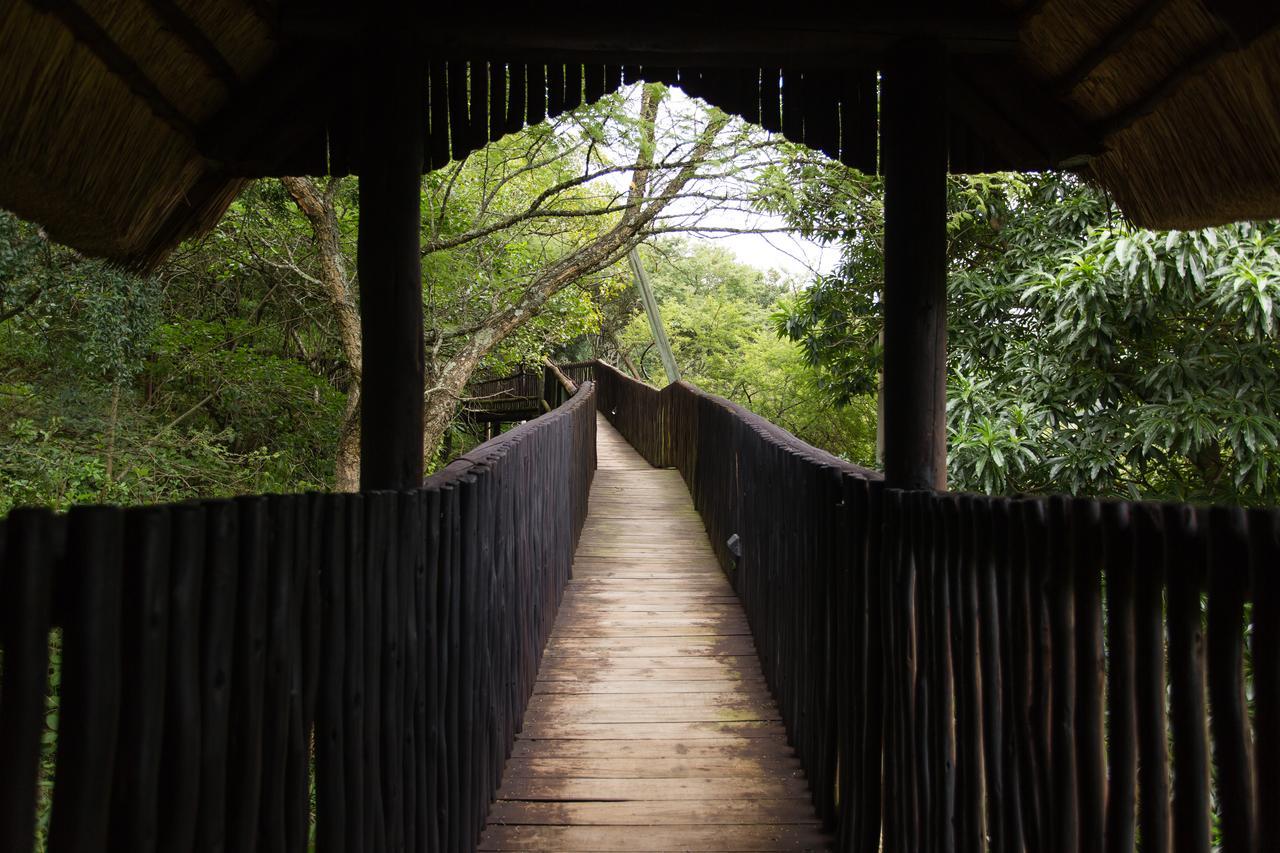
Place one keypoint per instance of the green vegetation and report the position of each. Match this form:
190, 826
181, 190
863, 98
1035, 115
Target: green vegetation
1085, 356
717, 312
235, 367
117, 389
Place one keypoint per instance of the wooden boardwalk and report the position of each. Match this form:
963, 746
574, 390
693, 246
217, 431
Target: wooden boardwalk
651, 727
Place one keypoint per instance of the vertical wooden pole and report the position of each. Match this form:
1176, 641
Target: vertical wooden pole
391, 158
914, 163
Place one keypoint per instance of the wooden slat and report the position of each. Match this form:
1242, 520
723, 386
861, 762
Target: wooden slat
1187, 705
217, 647
180, 766
135, 807
1264, 530
26, 613
673, 767
690, 837
699, 812
575, 789
688, 749
650, 709
91, 672
438, 139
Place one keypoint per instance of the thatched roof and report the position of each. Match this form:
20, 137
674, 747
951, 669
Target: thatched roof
129, 125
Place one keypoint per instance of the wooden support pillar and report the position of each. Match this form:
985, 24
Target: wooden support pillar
914, 162
389, 262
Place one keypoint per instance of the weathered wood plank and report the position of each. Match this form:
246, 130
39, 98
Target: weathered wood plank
693, 837
741, 699
685, 748
562, 730
696, 812
650, 632
588, 714
554, 662
654, 646
756, 787
659, 685
652, 768
551, 675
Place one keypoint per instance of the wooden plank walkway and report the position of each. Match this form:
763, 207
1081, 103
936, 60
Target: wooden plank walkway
651, 727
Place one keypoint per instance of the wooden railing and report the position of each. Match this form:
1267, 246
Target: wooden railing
956, 672
217, 656
964, 672
516, 397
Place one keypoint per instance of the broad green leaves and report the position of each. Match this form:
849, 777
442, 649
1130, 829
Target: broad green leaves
1086, 356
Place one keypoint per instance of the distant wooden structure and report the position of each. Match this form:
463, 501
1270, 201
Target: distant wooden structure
507, 399
519, 397
947, 668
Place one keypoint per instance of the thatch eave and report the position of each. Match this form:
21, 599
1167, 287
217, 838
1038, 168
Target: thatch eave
129, 126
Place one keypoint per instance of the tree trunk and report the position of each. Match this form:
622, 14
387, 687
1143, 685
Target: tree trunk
445, 384
346, 469
446, 379
447, 374
318, 206
111, 440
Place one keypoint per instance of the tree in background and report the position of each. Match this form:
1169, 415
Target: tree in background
1085, 355
241, 361
717, 312
121, 389
521, 239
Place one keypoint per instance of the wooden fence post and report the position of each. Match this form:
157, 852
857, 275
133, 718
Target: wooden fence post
391, 159
914, 161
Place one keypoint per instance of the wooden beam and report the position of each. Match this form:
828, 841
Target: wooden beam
992, 124
285, 103
913, 119
1110, 43
834, 39
185, 30
1030, 9
391, 416
88, 32
1026, 105
267, 11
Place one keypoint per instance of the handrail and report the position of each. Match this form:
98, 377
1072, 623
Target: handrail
967, 672
207, 646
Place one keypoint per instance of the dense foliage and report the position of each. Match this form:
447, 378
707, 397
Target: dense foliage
126, 390
235, 368
1085, 355
717, 311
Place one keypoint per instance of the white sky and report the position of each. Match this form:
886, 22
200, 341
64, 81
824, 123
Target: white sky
788, 252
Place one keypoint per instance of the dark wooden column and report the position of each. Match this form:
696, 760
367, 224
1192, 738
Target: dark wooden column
914, 163
389, 263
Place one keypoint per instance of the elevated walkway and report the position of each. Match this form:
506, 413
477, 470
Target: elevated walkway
650, 727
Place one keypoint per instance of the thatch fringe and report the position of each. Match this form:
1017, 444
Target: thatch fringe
1210, 151
106, 170
87, 157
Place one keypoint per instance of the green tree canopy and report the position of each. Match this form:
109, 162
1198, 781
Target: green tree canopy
717, 312
1085, 355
